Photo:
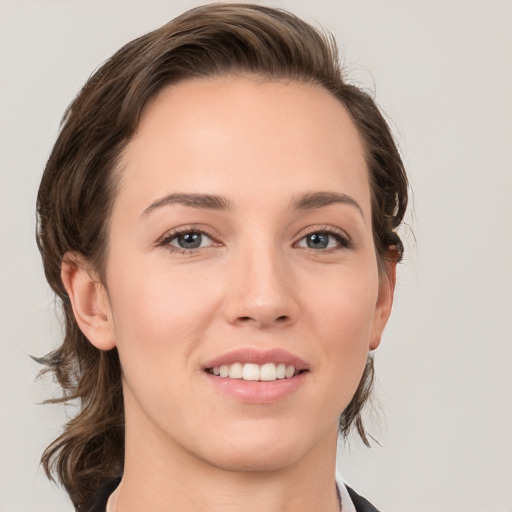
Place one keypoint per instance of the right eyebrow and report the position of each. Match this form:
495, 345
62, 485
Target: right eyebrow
207, 201
313, 200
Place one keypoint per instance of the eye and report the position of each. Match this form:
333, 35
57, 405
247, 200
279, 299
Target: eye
188, 240
322, 240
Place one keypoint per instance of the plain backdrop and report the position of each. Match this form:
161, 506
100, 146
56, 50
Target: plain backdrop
441, 71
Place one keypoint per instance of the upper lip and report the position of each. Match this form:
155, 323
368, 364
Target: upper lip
248, 355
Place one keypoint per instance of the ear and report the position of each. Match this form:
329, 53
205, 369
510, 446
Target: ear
384, 301
89, 300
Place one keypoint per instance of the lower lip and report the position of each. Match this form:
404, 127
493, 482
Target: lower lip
257, 392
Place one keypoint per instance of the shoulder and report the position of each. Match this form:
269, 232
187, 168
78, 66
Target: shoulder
361, 504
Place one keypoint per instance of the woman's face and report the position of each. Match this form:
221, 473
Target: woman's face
241, 241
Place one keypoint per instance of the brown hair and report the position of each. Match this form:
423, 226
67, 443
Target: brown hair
79, 186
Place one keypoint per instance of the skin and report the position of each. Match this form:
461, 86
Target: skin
253, 283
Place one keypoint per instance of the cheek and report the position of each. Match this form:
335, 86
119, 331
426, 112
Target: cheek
343, 317
344, 308
159, 322
159, 315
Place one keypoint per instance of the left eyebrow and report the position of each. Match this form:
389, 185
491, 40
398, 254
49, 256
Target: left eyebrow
207, 201
312, 200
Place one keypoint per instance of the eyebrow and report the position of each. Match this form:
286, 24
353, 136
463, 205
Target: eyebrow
313, 200
207, 201
307, 201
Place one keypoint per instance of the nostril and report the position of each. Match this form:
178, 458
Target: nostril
264, 320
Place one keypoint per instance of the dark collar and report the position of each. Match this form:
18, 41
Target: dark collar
361, 504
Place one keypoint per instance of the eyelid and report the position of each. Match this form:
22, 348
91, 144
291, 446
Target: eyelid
164, 241
340, 234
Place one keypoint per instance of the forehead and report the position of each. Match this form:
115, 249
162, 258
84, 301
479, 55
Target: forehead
243, 134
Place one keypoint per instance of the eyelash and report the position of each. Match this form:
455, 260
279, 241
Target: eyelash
340, 236
166, 240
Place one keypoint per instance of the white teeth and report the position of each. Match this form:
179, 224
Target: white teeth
251, 372
236, 371
268, 372
255, 372
290, 370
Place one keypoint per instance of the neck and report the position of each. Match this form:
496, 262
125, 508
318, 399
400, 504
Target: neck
161, 476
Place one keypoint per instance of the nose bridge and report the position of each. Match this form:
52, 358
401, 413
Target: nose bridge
261, 286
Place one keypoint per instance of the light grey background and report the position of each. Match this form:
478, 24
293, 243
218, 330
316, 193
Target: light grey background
442, 72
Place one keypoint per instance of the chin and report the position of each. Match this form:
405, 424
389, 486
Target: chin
245, 460
263, 451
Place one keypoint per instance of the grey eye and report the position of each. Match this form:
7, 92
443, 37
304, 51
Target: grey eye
320, 240
317, 240
191, 240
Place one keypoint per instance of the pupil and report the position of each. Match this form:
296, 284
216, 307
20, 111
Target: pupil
318, 241
190, 240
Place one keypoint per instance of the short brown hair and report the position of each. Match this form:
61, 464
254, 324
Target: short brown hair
79, 185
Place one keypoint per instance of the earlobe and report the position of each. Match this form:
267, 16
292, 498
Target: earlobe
384, 302
89, 301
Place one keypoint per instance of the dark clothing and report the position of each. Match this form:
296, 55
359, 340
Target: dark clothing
99, 501
361, 504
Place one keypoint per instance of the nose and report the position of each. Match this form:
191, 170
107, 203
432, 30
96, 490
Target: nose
262, 291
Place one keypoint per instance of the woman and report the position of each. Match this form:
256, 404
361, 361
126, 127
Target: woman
218, 217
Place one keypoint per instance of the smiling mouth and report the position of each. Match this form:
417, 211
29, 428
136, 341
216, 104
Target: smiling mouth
255, 372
